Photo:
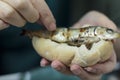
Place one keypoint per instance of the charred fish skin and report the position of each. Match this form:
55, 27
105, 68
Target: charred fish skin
77, 36
38, 33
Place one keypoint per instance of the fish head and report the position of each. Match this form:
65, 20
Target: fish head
111, 34
107, 33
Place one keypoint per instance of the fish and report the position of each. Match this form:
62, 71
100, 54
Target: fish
76, 36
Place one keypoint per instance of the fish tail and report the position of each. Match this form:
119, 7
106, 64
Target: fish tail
27, 33
37, 33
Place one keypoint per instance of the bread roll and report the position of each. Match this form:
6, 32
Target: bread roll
99, 52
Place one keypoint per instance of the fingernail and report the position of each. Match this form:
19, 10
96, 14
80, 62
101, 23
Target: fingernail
88, 69
52, 27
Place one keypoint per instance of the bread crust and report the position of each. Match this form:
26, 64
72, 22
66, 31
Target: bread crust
68, 55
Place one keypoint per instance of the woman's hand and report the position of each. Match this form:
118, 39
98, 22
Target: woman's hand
89, 73
18, 12
96, 71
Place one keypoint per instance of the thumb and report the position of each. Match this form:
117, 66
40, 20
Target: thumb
95, 18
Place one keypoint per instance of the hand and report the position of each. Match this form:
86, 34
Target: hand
18, 12
96, 71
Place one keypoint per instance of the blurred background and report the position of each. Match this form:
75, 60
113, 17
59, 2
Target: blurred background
18, 59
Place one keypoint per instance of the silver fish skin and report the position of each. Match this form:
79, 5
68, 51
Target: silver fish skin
86, 35
77, 36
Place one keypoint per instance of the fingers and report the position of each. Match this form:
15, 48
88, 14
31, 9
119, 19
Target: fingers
25, 8
44, 62
60, 67
56, 65
77, 70
104, 67
45, 14
17, 12
74, 70
9, 15
3, 25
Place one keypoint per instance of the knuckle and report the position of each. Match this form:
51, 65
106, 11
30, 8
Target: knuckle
45, 16
20, 4
34, 18
8, 15
7, 12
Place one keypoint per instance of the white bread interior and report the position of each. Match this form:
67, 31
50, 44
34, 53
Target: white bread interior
68, 55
